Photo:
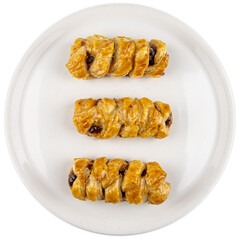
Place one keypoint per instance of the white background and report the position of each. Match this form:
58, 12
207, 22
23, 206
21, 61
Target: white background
21, 216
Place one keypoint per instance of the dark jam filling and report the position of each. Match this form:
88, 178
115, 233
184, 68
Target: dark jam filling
144, 172
89, 60
152, 53
120, 131
113, 57
95, 129
89, 166
98, 100
122, 173
168, 122
71, 178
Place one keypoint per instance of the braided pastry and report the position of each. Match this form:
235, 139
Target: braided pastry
98, 56
117, 180
125, 117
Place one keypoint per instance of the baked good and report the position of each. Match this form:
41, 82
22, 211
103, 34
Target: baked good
98, 56
124, 117
117, 180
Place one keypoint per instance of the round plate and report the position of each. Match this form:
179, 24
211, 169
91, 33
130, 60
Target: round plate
43, 140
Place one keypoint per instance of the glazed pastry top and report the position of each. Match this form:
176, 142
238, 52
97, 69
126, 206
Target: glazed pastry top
124, 117
98, 56
117, 180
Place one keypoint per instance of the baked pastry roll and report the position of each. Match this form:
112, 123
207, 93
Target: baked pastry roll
98, 56
124, 117
117, 180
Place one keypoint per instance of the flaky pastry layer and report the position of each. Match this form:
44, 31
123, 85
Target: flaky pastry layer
98, 56
117, 180
124, 117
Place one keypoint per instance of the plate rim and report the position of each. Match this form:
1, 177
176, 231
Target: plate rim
211, 54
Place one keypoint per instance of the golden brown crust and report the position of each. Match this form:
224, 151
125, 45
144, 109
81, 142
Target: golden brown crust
138, 194
133, 175
113, 193
114, 166
94, 189
157, 187
125, 117
93, 43
81, 170
133, 184
116, 181
102, 52
123, 57
141, 59
98, 56
79, 42
77, 65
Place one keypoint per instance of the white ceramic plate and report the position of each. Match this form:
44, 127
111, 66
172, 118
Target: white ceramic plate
43, 140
